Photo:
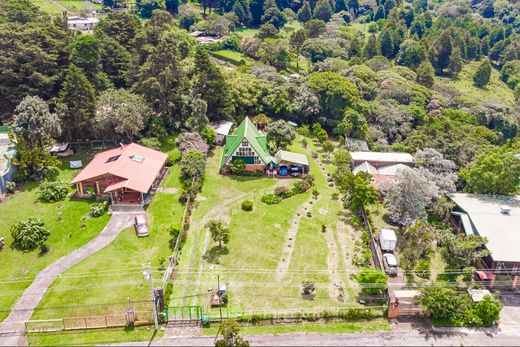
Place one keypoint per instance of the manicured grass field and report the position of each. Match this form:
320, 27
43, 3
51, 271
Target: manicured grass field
18, 267
49, 6
54, 7
248, 263
91, 337
320, 328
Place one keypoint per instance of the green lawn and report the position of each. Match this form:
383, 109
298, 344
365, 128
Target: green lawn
471, 95
117, 267
248, 263
19, 268
49, 6
246, 32
92, 337
320, 328
231, 56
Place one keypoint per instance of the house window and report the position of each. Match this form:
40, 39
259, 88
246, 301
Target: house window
114, 158
245, 143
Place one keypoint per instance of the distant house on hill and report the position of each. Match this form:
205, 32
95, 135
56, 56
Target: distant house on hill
382, 166
82, 23
250, 146
126, 174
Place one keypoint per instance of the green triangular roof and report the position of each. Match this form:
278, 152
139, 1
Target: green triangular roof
246, 130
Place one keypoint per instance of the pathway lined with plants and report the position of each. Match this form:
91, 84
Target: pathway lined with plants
288, 247
31, 297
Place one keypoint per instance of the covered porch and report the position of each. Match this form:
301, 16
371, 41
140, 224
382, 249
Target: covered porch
127, 197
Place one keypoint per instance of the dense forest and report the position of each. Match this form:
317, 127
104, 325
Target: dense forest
404, 76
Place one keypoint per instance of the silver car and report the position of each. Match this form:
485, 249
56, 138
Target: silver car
141, 228
390, 264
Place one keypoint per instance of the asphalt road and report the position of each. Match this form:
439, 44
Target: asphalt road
409, 338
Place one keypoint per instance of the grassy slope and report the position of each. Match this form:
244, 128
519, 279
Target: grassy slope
123, 256
54, 7
66, 235
472, 95
256, 243
92, 337
321, 328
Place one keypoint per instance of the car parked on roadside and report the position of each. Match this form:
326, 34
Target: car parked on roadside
390, 263
141, 228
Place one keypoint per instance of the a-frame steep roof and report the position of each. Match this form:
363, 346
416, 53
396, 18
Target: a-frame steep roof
257, 141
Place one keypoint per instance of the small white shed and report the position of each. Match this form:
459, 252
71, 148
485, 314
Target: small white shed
387, 240
222, 129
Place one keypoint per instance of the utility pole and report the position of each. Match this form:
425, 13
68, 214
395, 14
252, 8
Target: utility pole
148, 276
219, 298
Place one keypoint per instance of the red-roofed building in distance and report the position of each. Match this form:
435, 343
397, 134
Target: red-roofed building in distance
126, 174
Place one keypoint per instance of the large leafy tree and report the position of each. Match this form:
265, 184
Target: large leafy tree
34, 122
275, 52
443, 303
462, 251
231, 335
257, 10
219, 232
335, 91
117, 63
495, 171
33, 161
316, 50
408, 196
121, 112
280, 134
211, 85
356, 188
193, 164
77, 105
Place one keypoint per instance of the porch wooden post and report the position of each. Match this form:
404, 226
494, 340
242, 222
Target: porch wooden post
515, 280
80, 185
97, 188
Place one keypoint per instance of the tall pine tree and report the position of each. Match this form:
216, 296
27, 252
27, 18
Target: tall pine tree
371, 48
483, 73
211, 85
77, 102
257, 11
340, 5
323, 10
304, 14
386, 42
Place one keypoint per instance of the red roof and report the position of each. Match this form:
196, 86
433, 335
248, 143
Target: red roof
134, 167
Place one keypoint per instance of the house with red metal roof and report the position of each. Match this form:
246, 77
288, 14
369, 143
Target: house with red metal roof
126, 174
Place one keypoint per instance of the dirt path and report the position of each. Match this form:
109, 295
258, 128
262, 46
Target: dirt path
31, 297
335, 283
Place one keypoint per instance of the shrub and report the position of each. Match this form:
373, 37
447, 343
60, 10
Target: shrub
281, 192
209, 135
173, 157
308, 178
10, 187
29, 233
150, 142
422, 269
97, 210
52, 191
335, 196
315, 193
301, 186
237, 167
247, 205
44, 248
271, 199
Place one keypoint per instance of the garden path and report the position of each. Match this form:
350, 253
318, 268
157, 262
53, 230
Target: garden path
31, 297
290, 239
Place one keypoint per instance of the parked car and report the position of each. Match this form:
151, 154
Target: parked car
295, 171
141, 228
390, 263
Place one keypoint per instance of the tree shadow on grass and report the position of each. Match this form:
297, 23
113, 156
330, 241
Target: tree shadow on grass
213, 255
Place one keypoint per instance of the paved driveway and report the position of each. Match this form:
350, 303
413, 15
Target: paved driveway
31, 297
